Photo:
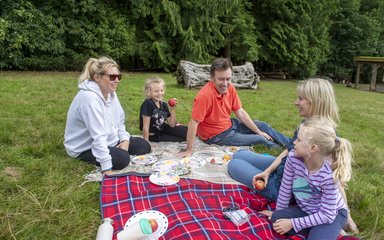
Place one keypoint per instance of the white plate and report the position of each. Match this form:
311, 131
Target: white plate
165, 165
164, 178
161, 219
193, 162
216, 160
231, 150
144, 159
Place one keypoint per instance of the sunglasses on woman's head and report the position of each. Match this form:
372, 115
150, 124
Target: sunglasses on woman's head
112, 77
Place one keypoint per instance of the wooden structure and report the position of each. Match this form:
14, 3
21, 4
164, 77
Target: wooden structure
375, 62
194, 75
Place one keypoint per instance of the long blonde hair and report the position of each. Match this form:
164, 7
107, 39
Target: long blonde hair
148, 84
319, 132
319, 92
96, 66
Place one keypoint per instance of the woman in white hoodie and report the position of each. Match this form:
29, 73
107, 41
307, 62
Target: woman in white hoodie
95, 129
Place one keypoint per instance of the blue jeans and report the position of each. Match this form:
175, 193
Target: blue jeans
246, 164
324, 231
277, 136
240, 135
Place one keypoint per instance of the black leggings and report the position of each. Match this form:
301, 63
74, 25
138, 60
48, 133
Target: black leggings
120, 157
171, 134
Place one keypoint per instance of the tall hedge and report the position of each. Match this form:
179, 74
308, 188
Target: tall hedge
300, 37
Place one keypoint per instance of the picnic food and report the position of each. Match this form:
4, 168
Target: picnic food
172, 102
260, 184
226, 157
154, 225
233, 149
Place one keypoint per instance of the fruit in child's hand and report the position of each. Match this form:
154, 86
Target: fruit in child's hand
260, 184
154, 224
172, 102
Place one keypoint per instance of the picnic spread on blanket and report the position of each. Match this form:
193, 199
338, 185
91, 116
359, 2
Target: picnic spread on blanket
203, 202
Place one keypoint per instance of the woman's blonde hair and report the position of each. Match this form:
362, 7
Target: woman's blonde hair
96, 66
319, 92
321, 133
148, 85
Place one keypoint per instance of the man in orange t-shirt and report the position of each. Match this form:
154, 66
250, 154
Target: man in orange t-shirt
211, 115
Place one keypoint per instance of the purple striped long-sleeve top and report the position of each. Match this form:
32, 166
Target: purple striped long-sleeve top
316, 193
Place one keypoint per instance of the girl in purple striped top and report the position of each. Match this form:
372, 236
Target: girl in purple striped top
313, 169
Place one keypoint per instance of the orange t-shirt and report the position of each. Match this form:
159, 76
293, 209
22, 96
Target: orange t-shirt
213, 110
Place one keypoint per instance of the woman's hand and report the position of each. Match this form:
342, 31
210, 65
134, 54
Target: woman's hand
282, 226
264, 175
108, 172
184, 153
124, 145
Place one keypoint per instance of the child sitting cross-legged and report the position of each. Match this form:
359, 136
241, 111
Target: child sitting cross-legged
157, 119
318, 163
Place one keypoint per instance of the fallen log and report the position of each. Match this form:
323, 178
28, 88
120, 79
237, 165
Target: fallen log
194, 75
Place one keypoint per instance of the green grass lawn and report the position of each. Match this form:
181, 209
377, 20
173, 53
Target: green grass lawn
41, 196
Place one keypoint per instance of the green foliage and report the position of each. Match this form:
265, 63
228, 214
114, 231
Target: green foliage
294, 34
171, 31
29, 38
357, 30
60, 35
300, 37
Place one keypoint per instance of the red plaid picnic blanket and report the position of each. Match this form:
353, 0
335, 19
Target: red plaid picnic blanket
192, 207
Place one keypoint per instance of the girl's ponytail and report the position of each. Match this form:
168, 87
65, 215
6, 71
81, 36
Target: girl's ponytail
342, 160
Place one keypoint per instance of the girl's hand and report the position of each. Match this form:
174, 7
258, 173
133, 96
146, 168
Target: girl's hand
282, 226
267, 213
172, 103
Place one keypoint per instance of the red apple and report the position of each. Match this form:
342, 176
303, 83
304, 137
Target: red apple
154, 224
260, 184
172, 102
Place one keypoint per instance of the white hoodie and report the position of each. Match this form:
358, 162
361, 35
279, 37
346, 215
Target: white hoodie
94, 123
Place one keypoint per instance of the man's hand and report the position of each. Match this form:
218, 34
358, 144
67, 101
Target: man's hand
282, 226
184, 153
264, 134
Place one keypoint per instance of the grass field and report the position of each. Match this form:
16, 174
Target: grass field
41, 196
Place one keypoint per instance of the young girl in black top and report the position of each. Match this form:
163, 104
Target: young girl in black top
157, 120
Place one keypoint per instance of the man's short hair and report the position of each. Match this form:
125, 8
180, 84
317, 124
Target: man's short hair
220, 64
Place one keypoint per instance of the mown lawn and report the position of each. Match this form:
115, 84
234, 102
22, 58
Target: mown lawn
41, 196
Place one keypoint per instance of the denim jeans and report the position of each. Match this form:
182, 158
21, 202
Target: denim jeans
240, 135
324, 231
246, 164
277, 136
